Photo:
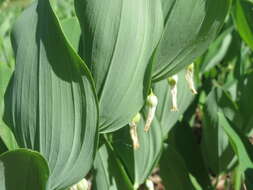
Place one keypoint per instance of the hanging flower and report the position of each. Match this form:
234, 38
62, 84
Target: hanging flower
173, 90
152, 102
133, 131
189, 76
82, 185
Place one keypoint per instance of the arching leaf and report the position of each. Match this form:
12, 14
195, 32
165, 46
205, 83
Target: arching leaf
190, 27
118, 41
51, 101
242, 16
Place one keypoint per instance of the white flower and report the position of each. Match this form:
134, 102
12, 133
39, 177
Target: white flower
150, 185
133, 130
173, 90
82, 185
152, 102
189, 75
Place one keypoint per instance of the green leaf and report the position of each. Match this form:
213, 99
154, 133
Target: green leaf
245, 91
23, 169
164, 115
7, 137
72, 30
51, 99
181, 138
242, 148
5, 75
140, 162
109, 174
119, 38
173, 170
214, 139
242, 16
5, 133
217, 50
190, 27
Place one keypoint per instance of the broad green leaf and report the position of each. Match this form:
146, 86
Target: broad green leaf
215, 145
119, 38
51, 101
139, 163
181, 138
190, 27
23, 169
173, 170
109, 173
164, 115
72, 30
242, 16
242, 148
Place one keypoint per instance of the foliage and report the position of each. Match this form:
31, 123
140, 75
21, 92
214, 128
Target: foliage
112, 90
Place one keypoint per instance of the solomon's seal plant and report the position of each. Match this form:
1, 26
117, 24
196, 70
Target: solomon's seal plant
101, 96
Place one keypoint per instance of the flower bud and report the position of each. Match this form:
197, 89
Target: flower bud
173, 90
133, 130
152, 102
189, 76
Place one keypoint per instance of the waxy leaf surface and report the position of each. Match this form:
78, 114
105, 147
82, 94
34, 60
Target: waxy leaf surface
118, 41
189, 28
23, 170
51, 101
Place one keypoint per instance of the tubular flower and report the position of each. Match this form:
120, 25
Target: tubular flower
133, 130
82, 185
173, 89
189, 78
150, 185
152, 102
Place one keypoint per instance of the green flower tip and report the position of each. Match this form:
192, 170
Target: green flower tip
137, 118
152, 100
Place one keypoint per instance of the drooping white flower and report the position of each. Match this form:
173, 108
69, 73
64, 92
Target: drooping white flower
189, 76
150, 185
173, 90
82, 185
133, 131
152, 102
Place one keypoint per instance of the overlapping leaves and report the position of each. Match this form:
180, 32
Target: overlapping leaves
118, 41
